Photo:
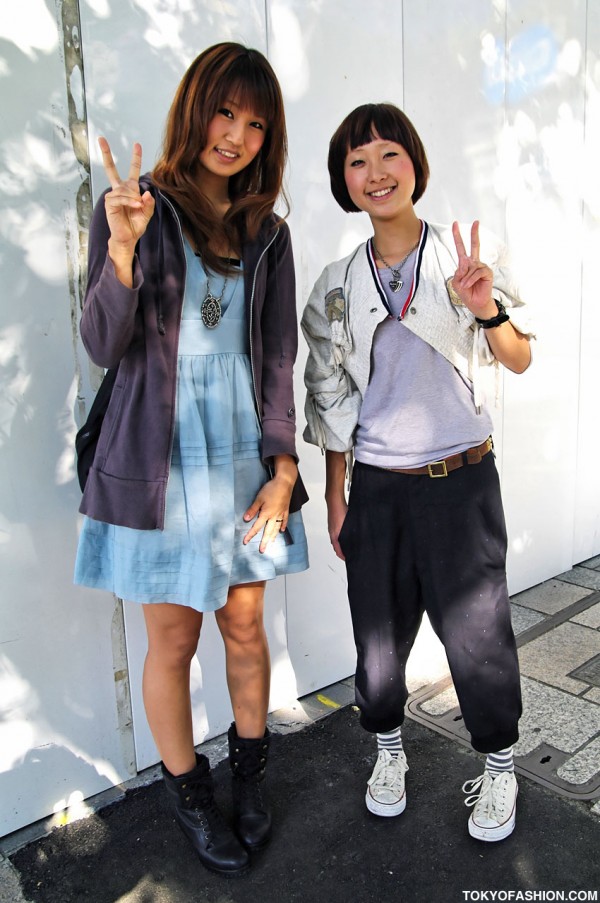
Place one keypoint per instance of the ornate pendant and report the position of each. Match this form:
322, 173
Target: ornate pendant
210, 311
396, 284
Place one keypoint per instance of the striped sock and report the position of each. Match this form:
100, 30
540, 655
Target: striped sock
500, 761
391, 740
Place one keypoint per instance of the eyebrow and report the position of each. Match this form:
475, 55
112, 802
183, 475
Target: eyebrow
234, 103
361, 147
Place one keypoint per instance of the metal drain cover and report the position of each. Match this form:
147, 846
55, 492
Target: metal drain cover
589, 672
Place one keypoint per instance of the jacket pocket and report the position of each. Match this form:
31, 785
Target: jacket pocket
111, 419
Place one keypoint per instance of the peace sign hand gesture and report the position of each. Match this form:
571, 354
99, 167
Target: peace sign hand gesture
472, 280
127, 211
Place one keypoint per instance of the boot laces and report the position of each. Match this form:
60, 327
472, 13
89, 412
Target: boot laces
249, 762
249, 772
250, 790
206, 810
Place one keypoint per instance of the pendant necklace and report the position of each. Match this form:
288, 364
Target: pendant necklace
396, 282
210, 309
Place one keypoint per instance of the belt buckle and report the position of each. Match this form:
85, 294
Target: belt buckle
442, 464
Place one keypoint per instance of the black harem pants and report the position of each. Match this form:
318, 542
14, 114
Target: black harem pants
414, 544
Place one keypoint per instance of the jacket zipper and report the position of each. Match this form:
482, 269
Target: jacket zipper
250, 318
172, 437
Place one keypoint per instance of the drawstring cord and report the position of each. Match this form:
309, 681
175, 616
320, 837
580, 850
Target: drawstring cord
282, 354
160, 322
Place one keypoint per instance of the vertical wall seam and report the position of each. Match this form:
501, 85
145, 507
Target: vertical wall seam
584, 81
500, 463
267, 17
76, 251
123, 687
285, 579
77, 221
403, 56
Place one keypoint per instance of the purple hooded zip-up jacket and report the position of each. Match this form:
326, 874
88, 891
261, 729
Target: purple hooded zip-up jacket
138, 329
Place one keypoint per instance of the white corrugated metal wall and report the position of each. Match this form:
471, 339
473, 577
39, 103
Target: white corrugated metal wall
506, 97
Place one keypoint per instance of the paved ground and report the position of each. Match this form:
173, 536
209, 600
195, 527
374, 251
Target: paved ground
558, 632
327, 848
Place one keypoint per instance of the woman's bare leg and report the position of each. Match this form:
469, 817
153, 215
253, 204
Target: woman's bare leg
173, 634
247, 656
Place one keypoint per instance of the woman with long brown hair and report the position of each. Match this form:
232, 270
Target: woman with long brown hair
193, 499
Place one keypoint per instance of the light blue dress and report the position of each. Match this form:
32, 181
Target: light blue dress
216, 472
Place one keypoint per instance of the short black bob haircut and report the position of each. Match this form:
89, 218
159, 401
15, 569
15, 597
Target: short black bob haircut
362, 126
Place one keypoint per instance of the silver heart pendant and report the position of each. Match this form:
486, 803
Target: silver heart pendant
396, 285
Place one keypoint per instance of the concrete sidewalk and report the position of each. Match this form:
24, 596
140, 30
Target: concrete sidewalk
327, 847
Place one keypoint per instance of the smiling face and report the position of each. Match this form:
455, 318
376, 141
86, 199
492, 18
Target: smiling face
380, 178
362, 129
234, 137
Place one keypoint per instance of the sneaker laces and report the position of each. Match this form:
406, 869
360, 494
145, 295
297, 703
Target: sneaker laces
389, 770
481, 797
487, 795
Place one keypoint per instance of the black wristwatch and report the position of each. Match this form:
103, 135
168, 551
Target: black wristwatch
501, 317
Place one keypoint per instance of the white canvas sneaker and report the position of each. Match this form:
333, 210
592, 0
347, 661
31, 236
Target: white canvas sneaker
386, 794
494, 801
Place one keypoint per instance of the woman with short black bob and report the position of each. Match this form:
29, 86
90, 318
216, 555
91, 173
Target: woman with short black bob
357, 130
192, 502
399, 333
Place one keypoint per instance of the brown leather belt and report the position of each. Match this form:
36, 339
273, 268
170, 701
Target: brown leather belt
443, 468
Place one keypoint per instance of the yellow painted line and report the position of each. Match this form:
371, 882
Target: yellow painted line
328, 702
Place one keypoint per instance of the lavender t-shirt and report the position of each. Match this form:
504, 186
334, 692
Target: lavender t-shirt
417, 408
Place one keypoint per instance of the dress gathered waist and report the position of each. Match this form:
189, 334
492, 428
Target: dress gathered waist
216, 471
230, 336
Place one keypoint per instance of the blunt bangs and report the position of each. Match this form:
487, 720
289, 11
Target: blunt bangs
247, 81
373, 122
362, 126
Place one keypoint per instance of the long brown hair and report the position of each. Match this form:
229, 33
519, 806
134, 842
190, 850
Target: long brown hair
219, 73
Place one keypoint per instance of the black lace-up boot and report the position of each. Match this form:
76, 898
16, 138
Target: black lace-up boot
251, 813
201, 821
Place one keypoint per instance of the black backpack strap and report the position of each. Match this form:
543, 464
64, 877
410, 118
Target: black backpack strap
87, 437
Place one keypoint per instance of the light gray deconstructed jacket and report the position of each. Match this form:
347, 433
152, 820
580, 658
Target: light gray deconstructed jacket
347, 304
